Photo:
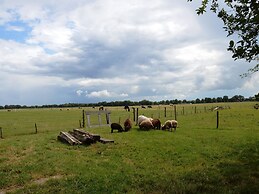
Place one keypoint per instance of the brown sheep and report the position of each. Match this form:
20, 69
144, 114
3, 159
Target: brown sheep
146, 125
170, 124
156, 123
127, 125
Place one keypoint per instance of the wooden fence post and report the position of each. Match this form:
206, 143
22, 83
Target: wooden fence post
1, 133
107, 118
183, 110
36, 128
134, 114
137, 117
175, 112
99, 119
165, 111
88, 121
217, 119
83, 118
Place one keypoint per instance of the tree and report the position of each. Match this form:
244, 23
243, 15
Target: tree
240, 17
257, 97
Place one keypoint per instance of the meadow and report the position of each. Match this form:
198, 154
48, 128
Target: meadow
197, 158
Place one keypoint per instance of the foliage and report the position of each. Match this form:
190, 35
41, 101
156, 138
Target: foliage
257, 97
240, 17
236, 98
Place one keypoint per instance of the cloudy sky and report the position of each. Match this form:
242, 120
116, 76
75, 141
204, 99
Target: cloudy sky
54, 52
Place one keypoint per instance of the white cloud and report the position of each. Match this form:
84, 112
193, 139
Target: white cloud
116, 49
79, 92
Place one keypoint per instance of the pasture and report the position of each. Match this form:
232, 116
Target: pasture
197, 158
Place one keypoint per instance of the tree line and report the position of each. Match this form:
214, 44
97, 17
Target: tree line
236, 98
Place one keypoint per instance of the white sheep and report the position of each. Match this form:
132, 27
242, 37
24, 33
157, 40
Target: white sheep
142, 118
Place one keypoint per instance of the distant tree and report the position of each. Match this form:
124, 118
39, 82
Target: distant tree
225, 98
240, 17
208, 100
219, 99
257, 97
197, 101
238, 98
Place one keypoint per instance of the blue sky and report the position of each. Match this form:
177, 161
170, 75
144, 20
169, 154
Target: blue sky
107, 50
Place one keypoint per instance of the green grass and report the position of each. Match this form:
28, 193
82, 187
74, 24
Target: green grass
197, 158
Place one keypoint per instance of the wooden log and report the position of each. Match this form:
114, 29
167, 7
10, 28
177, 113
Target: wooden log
95, 137
103, 140
84, 138
68, 138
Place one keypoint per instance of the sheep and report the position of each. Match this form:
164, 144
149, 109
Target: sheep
169, 124
141, 118
116, 126
127, 125
127, 108
146, 125
156, 123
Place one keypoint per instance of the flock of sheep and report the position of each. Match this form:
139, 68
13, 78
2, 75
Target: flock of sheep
146, 123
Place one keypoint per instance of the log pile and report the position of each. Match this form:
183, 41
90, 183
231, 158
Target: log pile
79, 136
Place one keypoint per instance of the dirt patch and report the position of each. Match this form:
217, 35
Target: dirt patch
40, 181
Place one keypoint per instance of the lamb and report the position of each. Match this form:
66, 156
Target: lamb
116, 126
156, 123
146, 125
127, 125
169, 124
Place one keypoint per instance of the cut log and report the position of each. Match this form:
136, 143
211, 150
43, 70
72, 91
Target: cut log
68, 138
102, 140
95, 137
84, 138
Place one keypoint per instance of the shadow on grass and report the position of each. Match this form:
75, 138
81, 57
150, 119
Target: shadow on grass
237, 172
241, 175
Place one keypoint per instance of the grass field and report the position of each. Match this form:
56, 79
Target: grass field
197, 158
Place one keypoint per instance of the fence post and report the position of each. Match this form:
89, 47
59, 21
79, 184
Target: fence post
183, 110
99, 119
1, 133
88, 121
175, 112
36, 128
165, 111
134, 114
217, 119
107, 118
83, 118
137, 117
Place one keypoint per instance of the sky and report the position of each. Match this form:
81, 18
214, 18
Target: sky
86, 51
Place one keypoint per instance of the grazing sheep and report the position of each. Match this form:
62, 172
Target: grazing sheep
146, 125
127, 125
116, 126
141, 118
127, 108
169, 124
156, 123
